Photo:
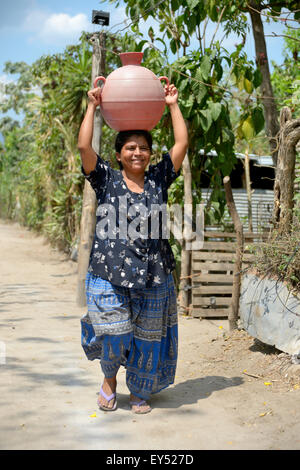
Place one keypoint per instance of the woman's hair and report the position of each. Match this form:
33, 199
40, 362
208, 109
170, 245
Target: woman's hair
124, 136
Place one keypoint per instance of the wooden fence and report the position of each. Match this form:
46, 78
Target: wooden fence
212, 272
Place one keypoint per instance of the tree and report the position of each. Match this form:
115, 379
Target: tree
286, 77
285, 174
204, 98
44, 167
180, 20
40, 167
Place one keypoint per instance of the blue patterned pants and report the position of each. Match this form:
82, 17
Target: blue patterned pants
136, 328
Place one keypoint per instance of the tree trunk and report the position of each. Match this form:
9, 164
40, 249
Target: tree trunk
267, 96
249, 191
88, 217
185, 276
285, 171
236, 287
297, 178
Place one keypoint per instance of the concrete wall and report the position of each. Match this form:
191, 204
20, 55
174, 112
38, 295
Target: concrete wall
270, 313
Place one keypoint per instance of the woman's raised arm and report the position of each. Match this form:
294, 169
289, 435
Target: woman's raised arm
85, 137
180, 146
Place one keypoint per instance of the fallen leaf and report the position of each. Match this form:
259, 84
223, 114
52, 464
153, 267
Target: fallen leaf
269, 412
268, 383
93, 415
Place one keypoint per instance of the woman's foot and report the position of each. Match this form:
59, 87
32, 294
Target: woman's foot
107, 395
139, 406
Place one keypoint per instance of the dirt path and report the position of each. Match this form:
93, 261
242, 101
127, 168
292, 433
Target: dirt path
230, 392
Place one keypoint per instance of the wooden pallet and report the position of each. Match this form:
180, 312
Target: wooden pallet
212, 272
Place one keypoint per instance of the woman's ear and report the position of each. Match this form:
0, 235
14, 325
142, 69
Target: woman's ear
118, 156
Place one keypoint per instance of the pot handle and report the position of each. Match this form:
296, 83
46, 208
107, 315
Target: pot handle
99, 79
166, 79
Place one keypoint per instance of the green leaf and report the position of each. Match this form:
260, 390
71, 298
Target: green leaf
140, 45
191, 23
199, 89
213, 13
227, 135
219, 70
240, 83
248, 85
213, 134
248, 129
205, 119
175, 4
215, 109
248, 73
173, 46
189, 102
183, 84
192, 3
258, 119
201, 93
205, 67
257, 78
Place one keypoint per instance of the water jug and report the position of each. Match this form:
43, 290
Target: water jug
132, 96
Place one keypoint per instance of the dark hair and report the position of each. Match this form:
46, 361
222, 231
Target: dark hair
124, 136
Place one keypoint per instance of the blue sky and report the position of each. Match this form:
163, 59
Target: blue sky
31, 28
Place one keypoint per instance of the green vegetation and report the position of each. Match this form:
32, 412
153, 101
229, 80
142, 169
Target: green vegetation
41, 183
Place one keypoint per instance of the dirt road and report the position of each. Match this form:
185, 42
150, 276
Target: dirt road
230, 392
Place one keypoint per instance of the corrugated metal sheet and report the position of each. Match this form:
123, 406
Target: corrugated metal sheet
262, 201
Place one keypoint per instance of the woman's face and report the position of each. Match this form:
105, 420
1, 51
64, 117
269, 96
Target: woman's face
135, 154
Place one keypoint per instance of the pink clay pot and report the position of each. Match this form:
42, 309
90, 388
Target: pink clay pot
132, 96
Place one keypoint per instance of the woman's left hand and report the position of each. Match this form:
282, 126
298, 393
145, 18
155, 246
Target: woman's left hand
171, 94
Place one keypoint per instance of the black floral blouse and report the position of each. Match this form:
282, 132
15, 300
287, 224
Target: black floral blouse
119, 254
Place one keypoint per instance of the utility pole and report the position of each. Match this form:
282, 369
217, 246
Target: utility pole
88, 215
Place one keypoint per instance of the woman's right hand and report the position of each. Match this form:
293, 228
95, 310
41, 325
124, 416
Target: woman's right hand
94, 96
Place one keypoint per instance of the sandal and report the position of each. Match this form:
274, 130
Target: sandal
108, 398
140, 404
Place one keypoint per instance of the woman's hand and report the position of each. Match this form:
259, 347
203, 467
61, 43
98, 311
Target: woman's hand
171, 94
94, 96
85, 137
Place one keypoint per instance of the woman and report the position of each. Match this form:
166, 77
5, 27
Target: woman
132, 316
